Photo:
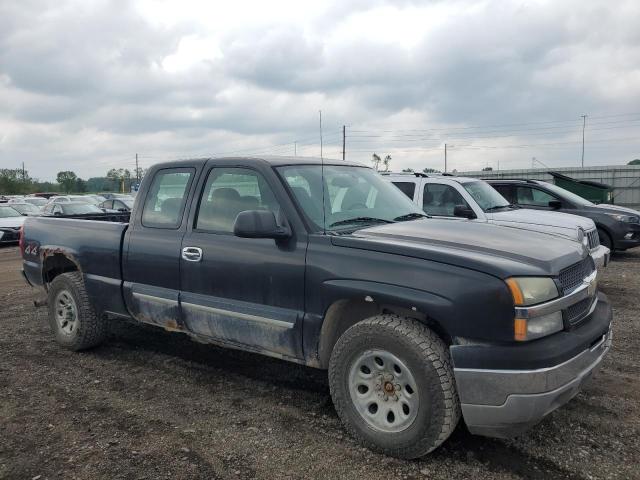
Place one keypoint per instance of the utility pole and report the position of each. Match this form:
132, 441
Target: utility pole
344, 130
320, 111
137, 171
295, 149
584, 124
24, 176
445, 158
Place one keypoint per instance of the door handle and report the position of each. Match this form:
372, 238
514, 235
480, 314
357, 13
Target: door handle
192, 254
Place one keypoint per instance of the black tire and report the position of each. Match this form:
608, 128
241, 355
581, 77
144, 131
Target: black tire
427, 358
89, 330
605, 239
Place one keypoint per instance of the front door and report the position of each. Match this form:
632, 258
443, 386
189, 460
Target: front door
151, 271
242, 291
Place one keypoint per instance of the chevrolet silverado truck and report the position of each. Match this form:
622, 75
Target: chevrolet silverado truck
419, 321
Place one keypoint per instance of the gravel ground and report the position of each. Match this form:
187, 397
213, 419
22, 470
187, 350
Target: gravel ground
149, 404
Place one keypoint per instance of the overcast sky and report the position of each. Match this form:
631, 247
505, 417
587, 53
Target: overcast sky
84, 85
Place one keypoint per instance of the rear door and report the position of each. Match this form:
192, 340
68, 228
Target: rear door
151, 267
243, 291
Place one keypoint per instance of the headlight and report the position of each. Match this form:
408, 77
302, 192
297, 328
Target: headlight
531, 290
625, 218
528, 291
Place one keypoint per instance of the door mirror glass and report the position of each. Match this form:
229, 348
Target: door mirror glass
463, 211
259, 224
555, 204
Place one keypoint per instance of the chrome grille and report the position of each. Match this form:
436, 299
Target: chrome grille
571, 277
594, 239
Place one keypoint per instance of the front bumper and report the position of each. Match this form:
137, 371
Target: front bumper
601, 256
504, 402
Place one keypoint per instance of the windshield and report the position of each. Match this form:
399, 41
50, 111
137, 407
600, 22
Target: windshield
79, 209
6, 212
25, 208
572, 197
354, 197
485, 195
127, 201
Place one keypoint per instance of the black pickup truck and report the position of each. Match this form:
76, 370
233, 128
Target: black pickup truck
418, 321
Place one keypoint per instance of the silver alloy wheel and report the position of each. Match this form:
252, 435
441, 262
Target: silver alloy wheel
383, 391
66, 312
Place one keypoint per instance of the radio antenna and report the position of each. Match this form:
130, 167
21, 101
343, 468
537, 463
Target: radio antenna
324, 212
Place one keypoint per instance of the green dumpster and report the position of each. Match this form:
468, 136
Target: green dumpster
595, 192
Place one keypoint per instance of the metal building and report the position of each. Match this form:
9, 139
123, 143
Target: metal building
625, 179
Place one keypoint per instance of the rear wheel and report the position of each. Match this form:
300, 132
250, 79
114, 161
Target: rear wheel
393, 387
605, 239
71, 317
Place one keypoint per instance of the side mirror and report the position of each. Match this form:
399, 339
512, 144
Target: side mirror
555, 204
463, 211
259, 224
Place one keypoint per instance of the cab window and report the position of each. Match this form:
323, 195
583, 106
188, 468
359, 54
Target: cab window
229, 191
440, 199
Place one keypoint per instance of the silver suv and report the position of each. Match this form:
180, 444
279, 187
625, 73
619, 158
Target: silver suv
470, 199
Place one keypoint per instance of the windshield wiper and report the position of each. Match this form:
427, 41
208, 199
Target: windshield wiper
360, 220
411, 216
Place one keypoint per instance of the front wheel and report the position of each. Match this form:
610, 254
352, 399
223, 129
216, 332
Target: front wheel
393, 387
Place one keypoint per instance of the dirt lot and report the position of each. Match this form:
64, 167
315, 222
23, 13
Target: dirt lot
149, 404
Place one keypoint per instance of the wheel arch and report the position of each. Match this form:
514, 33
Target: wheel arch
347, 311
57, 263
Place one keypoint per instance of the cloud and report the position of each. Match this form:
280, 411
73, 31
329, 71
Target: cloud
92, 83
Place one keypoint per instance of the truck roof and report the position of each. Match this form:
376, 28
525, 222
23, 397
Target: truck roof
276, 161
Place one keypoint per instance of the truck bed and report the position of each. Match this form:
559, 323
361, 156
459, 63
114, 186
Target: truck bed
93, 246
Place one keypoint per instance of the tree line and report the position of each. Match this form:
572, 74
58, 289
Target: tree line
19, 182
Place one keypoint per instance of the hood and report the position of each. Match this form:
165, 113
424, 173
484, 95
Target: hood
12, 222
498, 250
556, 223
606, 208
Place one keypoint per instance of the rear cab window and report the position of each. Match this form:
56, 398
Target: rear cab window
165, 202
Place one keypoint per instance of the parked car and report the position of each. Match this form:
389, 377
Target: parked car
94, 199
111, 195
71, 208
618, 227
470, 199
25, 208
418, 320
117, 205
37, 201
70, 198
10, 223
